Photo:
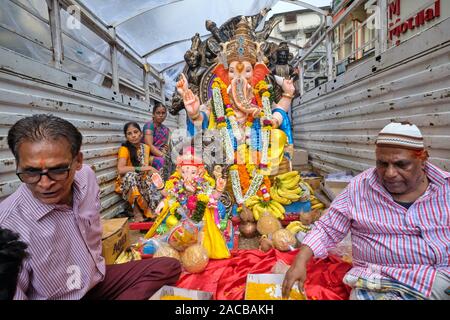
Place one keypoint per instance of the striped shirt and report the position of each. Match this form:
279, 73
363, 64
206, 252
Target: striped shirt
64, 242
388, 240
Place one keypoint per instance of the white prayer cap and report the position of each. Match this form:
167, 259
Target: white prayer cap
401, 135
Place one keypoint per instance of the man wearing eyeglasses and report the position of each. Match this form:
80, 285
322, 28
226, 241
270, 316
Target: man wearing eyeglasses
56, 212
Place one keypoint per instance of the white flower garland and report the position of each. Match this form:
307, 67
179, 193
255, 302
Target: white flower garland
229, 150
265, 136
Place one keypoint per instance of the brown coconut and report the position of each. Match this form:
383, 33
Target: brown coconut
268, 224
283, 239
195, 258
247, 229
247, 214
166, 251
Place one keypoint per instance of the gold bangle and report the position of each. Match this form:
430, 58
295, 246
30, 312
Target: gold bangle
287, 95
195, 117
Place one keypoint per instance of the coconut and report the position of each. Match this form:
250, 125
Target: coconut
268, 224
166, 251
247, 229
283, 239
195, 258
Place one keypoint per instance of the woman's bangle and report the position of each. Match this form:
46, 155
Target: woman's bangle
287, 95
137, 169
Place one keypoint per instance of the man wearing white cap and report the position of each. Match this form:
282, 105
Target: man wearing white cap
399, 218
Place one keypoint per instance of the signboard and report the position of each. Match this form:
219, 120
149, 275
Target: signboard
407, 18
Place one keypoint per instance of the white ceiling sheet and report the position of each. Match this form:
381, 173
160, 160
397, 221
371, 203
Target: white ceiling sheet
160, 30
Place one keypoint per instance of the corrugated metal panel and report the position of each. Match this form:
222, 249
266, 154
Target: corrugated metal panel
338, 122
28, 87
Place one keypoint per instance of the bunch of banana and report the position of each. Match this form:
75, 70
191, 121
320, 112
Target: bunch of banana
285, 189
315, 203
127, 255
296, 226
258, 206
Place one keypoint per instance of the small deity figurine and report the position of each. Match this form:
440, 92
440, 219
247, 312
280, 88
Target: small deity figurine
191, 193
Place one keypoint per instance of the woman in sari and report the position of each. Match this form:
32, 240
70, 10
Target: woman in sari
137, 179
156, 135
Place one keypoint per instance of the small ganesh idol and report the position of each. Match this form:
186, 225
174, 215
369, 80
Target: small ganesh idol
192, 194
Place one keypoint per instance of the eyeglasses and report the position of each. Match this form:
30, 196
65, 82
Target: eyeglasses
31, 177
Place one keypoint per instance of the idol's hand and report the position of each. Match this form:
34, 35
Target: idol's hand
182, 85
288, 87
192, 104
157, 181
159, 208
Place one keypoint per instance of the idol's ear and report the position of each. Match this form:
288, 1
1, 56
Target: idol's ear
260, 71
222, 73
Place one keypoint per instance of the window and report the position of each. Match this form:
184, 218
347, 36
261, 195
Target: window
290, 18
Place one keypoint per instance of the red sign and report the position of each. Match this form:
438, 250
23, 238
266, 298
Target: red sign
397, 28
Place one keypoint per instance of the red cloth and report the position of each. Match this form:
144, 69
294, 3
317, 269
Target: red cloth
226, 278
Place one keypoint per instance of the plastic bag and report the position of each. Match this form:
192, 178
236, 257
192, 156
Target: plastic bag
343, 249
183, 235
195, 258
165, 250
284, 240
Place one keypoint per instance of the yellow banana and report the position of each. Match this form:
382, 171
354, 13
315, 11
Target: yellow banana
309, 187
289, 195
296, 191
259, 210
275, 196
274, 210
250, 202
290, 183
320, 205
278, 205
287, 175
256, 213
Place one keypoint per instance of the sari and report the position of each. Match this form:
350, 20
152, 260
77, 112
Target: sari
160, 139
135, 187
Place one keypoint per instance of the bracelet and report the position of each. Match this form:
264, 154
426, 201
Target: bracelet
195, 117
287, 95
137, 169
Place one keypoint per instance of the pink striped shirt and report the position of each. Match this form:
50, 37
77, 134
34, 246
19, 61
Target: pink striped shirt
64, 243
388, 240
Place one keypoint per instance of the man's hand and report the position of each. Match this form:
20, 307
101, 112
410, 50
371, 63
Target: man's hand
297, 272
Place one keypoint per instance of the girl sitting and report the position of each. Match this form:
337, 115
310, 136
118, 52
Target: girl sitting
137, 179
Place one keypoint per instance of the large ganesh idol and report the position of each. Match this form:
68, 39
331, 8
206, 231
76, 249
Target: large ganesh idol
253, 128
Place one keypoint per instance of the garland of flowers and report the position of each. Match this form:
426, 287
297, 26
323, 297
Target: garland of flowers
223, 111
178, 195
202, 202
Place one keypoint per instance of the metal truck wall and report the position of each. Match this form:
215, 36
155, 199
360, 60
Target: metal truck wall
338, 122
28, 87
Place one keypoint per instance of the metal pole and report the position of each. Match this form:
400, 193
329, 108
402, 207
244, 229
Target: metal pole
114, 62
163, 95
329, 48
55, 30
145, 75
301, 79
383, 27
